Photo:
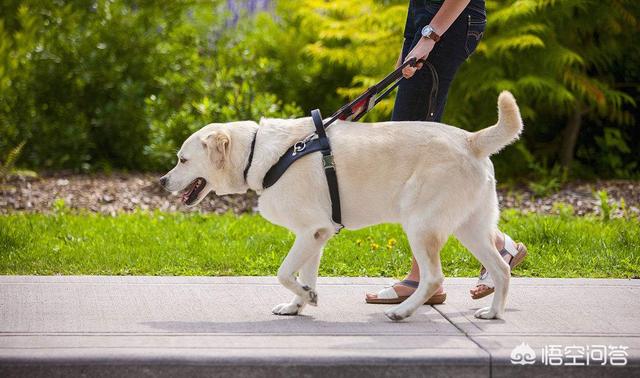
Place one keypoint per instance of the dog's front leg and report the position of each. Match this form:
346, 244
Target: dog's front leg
304, 257
425, 244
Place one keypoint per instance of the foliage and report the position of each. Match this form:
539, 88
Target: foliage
92, 84
207, 81
556, 69
547, 181
566, 69
564, 210
95, 85
7, 166
356, 36
83, 83
606, 208
195, 244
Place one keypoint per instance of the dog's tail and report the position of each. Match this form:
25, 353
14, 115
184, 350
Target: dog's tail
489, 141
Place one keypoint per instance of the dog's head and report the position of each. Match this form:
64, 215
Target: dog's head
209, 160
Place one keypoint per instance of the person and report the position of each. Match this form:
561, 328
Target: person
444, 33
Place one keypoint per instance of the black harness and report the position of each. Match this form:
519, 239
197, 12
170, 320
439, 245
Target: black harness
319, 142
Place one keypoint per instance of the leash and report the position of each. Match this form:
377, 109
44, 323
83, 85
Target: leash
357, 108
319, 142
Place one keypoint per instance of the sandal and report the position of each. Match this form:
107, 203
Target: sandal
389, 296
485, 279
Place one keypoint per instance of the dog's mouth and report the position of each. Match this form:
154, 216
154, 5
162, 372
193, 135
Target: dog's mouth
191, 192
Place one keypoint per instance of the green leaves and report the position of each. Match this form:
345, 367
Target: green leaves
106, 84
7, 166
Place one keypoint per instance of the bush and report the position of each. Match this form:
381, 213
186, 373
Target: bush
96, 85
102, 84
80, 98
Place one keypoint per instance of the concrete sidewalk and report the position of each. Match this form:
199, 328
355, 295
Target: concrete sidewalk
202, 326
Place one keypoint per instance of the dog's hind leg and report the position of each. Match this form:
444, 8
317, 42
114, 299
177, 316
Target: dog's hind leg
304, 257
425, 244
478, 234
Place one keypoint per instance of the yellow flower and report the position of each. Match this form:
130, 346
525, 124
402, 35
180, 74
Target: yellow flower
374, 246
391, 243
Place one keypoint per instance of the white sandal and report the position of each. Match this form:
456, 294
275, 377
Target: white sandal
517, 251
388, 295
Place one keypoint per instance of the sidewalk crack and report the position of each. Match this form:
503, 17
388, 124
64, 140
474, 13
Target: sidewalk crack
469, 337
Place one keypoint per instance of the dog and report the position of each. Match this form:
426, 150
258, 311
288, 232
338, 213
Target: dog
433, 179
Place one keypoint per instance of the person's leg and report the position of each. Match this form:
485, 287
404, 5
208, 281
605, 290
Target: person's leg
424, 96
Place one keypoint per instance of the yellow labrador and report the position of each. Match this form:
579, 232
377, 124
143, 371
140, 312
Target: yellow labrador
433, 179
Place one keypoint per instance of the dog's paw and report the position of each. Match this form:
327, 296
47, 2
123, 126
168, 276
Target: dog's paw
286, 309
396, 314
312, 296
486, 313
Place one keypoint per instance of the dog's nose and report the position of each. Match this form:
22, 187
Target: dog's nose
163, 181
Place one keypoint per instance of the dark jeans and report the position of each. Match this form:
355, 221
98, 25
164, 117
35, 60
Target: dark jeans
423, 97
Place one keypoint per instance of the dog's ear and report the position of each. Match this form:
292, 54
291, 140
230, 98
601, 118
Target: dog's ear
217, 144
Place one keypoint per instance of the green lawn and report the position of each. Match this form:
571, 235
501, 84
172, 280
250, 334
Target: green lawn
194, 244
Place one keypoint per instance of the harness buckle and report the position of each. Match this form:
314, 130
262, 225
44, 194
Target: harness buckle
299, 147
327, 161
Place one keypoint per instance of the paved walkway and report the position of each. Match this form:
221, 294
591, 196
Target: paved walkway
202, 326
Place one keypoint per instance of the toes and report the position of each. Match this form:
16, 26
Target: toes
395, 314
485, 313
286, 309
478, 314
276, 310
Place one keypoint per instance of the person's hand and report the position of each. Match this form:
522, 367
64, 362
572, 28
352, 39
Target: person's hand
420, 51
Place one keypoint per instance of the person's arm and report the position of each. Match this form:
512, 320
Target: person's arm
447, 14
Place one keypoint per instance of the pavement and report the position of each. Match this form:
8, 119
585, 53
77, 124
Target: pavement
222, 326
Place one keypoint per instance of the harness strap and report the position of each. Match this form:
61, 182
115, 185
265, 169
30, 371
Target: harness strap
354, 111
329, 168
301, 149
253, 147
294, 153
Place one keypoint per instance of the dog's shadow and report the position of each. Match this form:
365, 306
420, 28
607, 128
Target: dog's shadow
426, 322
299, 324
420, 331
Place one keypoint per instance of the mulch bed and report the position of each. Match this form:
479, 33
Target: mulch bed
114, 193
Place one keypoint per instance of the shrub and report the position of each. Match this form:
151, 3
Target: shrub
102, 84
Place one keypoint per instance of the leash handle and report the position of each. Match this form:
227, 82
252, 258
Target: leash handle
411, 62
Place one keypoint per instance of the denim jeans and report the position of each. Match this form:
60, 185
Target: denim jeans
424, 95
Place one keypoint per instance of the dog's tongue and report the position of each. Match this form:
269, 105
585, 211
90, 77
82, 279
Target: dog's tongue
187, 194
195, 186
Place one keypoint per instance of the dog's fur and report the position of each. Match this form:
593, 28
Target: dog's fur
433, 179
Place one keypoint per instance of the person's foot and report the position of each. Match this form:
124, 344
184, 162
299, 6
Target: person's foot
516, 253
404, 289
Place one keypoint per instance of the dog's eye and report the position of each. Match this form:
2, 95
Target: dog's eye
183, 160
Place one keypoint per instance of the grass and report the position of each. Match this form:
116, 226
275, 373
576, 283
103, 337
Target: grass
195, 244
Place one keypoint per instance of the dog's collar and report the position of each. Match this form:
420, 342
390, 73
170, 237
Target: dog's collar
253, 145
